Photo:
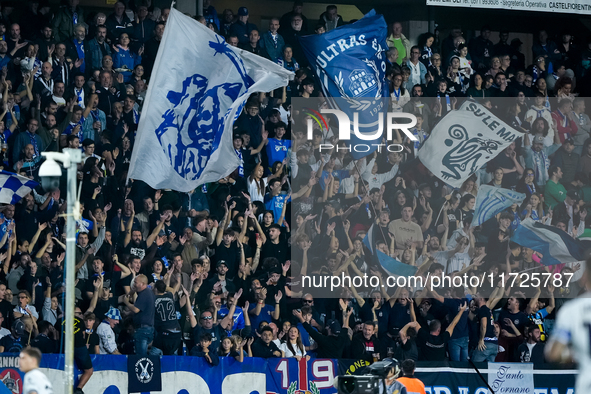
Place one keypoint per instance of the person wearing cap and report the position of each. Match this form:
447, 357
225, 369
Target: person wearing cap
567, 160
241, 28
14, 342
554, 191
107, 344
537, 156
220, 278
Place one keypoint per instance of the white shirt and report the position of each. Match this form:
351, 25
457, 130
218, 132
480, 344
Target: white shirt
255, 195
36, 381
572, 328
107, 344
288, 352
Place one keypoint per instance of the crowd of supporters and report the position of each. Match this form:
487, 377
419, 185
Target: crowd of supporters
215, 272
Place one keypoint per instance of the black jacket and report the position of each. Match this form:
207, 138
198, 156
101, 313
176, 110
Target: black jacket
329, 346
262, 350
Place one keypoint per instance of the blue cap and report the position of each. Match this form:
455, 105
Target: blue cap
242, 11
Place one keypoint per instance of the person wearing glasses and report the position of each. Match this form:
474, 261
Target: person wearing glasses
418, 71
23, 308
208, 323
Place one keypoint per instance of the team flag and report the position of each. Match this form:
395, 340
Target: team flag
350, 63
491, 200
464, 141
14, 187
198, 87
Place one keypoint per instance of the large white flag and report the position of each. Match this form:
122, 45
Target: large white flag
463, 141
198, 86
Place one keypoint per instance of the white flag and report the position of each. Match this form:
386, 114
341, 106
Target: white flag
198, 87
464, 141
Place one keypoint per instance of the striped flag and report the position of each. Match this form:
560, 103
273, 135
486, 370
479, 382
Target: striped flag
391, 266
555, 245
491, 200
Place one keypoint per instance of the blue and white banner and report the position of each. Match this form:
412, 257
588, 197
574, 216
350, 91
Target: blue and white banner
464, 141
555, 245
350, 63
193, 375
198, 87
491, 200
14, 187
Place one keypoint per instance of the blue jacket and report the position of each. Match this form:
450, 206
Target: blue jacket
126, 59
422, 81
274, 51
94, 56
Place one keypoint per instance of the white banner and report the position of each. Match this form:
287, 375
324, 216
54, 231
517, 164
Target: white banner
511, 377
573, 6
464, 141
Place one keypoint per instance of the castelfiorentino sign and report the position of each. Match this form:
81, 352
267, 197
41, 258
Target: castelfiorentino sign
572, 6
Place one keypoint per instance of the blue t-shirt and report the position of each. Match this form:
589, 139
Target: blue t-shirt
277, 150
238, 317
265, 315
275, 204
462, 329
304, 334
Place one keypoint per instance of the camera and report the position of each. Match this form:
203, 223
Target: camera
372, 382
50, 173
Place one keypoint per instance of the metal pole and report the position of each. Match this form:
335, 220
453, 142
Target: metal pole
70, 268
199, 7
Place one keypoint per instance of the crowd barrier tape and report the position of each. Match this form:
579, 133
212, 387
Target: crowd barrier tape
193, 375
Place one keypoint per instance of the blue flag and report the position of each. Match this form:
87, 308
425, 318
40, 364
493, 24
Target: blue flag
14, 187
491, 200
350, 63
198, 87
555, 245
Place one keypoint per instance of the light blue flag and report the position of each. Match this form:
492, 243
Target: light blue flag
491, 200
395, 267
198, 87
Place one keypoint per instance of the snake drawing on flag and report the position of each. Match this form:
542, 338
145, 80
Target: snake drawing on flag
467, 153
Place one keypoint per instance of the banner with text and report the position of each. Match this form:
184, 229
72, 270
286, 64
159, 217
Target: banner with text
573, 6
193, 375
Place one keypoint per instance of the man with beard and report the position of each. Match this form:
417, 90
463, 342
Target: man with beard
291, 37
46, 43
416, 105
120, 221
133, 243
97, 49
